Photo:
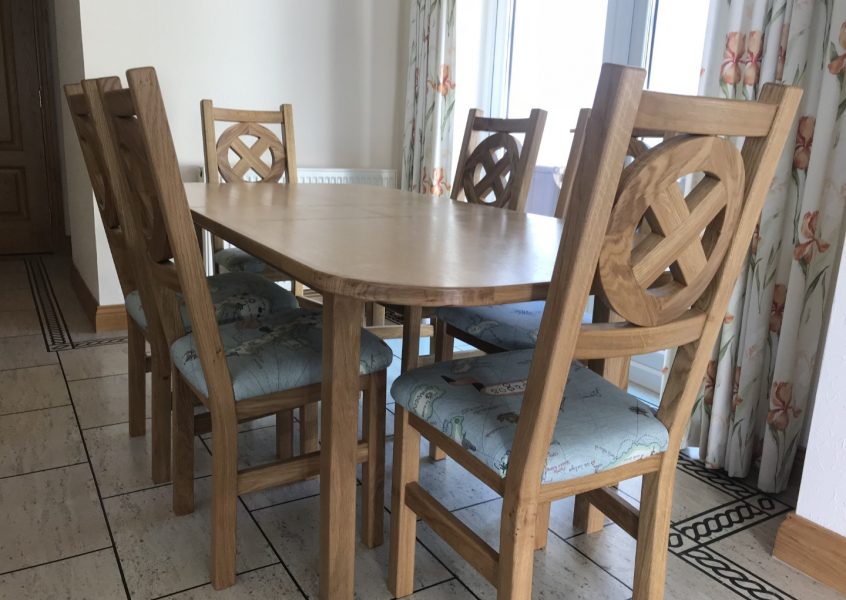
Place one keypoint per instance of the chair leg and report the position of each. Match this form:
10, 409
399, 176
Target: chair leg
224, 499
137, 380
442, 350
308, 428
653, 530
406, 470
162, 405
516, 548
542, 525
444, 342
373, 476
586, 516
182, 468
285, 434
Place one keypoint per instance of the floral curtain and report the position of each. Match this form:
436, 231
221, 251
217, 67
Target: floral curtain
757, 389
430, 99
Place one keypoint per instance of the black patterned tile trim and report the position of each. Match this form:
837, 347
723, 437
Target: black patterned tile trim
53, 326
742, 582
716, 478
56, 334
728, 519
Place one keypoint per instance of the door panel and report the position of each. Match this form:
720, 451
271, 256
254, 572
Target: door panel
24, 200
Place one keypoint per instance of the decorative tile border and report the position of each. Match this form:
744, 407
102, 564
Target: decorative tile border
742, 582
56, 334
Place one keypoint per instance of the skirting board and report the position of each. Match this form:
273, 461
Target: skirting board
814, 550
106, 317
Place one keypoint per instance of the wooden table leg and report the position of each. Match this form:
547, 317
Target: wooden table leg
341, 350
412, 315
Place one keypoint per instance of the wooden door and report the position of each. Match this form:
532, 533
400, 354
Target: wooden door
25, 216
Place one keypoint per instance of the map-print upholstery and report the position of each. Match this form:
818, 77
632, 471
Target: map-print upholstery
278, 353
235, 260
235, 296
507, 326
476, 402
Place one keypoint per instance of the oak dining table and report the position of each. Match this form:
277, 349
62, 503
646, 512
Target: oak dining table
355, 244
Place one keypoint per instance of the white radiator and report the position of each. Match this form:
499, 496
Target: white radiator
379, 177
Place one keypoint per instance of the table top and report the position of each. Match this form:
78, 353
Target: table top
382, 244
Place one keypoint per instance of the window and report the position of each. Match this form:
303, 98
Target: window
515, 55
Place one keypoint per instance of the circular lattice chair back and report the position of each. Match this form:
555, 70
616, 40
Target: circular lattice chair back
497, 171
248, 150
652, 275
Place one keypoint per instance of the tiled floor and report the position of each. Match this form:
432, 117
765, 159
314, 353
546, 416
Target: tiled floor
80, 518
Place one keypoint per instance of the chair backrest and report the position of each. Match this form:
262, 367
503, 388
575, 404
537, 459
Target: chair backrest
498, 170
702, 239
102, 182
248, 146
140, 130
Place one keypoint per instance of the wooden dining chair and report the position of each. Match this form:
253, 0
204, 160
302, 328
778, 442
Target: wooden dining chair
535, 426
494, 169
236, 295
248, 150
240, 370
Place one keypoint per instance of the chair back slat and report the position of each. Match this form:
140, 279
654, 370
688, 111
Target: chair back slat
497, 171
101, 182
256, 148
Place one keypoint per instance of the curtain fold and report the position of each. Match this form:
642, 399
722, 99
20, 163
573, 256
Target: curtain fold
430, 99
757, 389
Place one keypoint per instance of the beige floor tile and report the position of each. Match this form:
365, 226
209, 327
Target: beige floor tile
752, 549
93, 576
268, 582
259, 446
32, 388
122, 464
38, 440
16, 299
15, 279
19, 322
446, 480
48, 516
691, 496
103, 400
162, 553
449, 590
25, 351
560, 571
293, 529
97, 361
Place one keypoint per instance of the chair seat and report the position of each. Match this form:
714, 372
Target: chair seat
235, 296
235, 260
507, 326
476, 402
278, 353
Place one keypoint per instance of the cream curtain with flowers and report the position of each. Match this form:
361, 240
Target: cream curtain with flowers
757, 389
430, 99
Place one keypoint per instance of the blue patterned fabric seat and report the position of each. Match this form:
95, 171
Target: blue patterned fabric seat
235, 260
235, 296
476, 402
507, 326
278, 353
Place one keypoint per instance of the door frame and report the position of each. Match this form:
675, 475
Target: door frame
45, 60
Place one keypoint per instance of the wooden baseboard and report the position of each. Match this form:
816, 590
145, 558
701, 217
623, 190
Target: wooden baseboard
814, 550
105, 317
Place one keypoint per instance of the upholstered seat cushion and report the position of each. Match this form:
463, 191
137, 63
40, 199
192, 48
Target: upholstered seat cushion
476, 402
278, 353
235, 296
236, 260
506, 326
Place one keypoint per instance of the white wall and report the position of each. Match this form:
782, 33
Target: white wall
341, 65
80, 212
822, 492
